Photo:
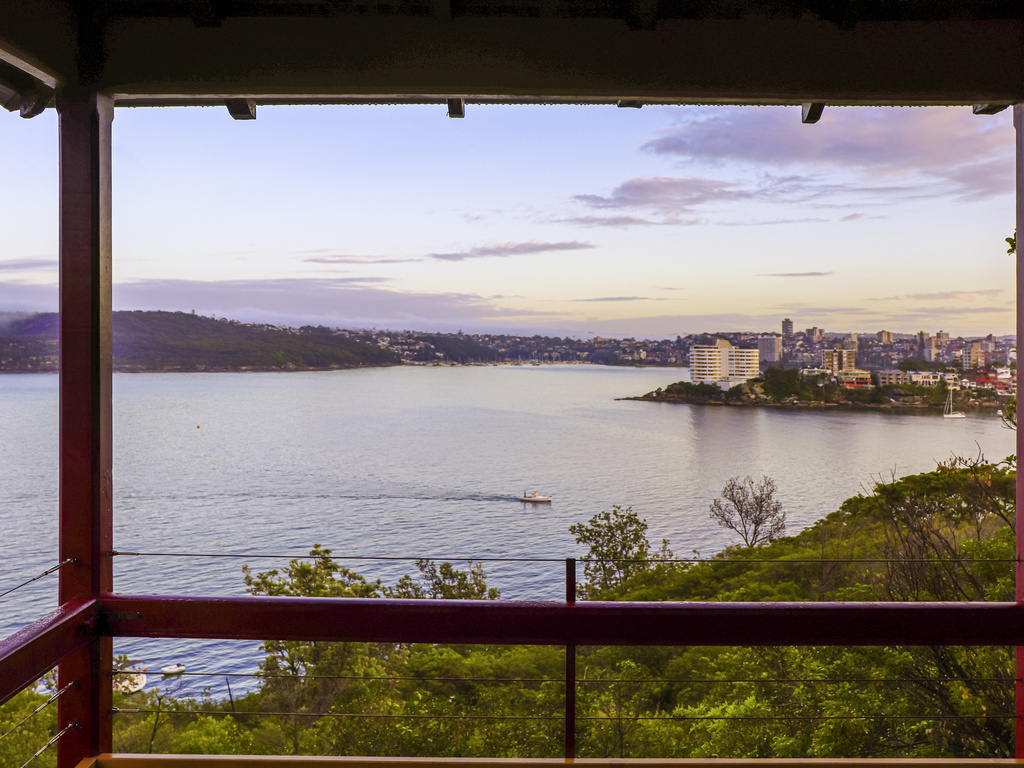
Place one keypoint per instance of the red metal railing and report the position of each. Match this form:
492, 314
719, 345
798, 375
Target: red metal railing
73, 627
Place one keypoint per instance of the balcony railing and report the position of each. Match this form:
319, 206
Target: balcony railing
81, 624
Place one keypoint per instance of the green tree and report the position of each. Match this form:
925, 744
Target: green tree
617, 550
306, 678
445, 582
780, 383
25, 726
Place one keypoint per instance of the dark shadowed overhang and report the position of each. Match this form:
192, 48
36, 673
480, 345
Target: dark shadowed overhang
912, 52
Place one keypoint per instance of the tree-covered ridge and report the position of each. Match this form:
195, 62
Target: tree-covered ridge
454, 348
942, 535
179, 341
785, 387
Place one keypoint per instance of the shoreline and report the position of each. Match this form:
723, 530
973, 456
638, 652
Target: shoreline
128, 368
818, 405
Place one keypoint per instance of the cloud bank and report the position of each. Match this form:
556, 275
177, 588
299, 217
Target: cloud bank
504, 250
764, 156
796, 274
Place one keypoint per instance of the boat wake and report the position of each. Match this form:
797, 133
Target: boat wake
439, 496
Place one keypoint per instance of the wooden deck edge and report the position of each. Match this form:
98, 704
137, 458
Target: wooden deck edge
263, 761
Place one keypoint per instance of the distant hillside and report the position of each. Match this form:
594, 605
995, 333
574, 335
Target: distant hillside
455, 348
28, 343
177, 341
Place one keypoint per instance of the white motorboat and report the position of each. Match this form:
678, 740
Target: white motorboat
174, 669
534, 497
949, 413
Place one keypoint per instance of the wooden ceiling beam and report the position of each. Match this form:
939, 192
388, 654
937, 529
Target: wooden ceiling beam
771, 62
747, 51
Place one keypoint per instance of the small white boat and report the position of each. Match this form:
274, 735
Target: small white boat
174, 669
534, 497
131, 680
949, 413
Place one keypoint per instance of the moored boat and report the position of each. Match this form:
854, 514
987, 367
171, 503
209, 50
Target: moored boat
949, 413
174, 669
130, 680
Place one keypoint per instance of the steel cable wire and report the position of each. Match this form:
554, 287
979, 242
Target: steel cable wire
716, 560
47, 572
38, 709
553, 718
50, 743
599, 681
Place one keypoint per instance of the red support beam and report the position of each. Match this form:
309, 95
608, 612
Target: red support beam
557, 623
570, 667
1018, 124
26, 655
86, 529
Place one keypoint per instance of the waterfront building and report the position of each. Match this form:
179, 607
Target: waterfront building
925, 378
893, 377
896, 377
854, 379
723, 364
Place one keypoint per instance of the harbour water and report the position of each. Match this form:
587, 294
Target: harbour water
419, 462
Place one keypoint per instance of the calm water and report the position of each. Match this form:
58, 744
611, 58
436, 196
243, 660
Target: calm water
419, 462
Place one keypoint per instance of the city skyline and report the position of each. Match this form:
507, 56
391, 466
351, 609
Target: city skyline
553, 220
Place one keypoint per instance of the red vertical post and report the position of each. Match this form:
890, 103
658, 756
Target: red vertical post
1018, 124
86, 455
570, 668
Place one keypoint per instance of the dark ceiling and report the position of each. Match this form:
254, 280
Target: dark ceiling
912, 52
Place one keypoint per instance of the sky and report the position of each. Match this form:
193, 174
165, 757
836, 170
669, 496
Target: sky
556, 220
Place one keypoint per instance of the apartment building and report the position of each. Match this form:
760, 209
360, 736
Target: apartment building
723, 364
770, 349
839, 359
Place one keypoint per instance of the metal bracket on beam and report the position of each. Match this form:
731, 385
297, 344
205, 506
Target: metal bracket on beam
34, 102
23, 92
811, 111
456, 108
241, 109
988, 109
629, 104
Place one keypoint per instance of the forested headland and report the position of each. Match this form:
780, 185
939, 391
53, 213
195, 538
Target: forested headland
785, 388
944, 535
180, 341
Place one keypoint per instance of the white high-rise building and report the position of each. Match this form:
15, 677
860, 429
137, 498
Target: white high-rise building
723, 364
